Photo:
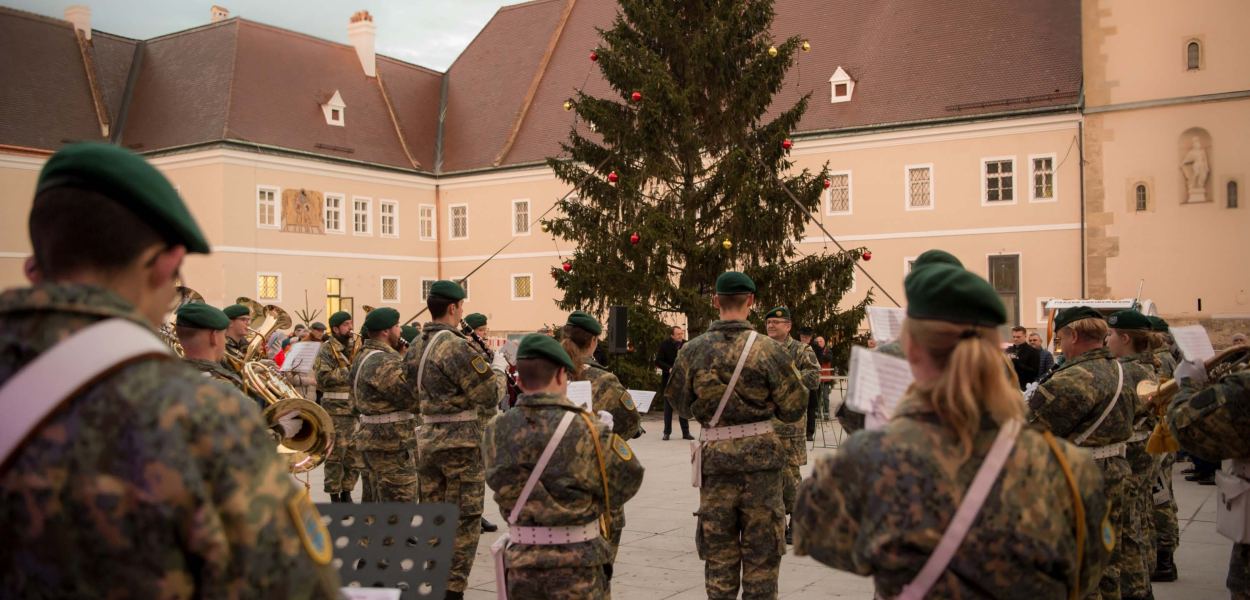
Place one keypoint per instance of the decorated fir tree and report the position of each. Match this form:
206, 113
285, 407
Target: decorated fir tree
684, 174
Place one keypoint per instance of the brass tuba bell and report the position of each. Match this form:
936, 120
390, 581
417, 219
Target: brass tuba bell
312, 444
271, 319
168, 330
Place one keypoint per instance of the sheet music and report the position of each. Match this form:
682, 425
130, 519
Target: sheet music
579, 394
300, 357
1193, 341
642, 399
886, 322
877, 382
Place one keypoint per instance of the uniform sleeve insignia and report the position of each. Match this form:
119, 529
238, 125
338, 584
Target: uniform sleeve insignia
621, 448
628, 401
480, 365
312, 531
1108, 533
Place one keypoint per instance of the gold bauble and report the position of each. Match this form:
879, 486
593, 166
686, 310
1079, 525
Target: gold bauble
772, 51
807, 46
727, 244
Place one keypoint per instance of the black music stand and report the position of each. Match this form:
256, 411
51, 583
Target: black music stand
393, 545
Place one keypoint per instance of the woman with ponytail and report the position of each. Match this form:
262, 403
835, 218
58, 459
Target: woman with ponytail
1031, 508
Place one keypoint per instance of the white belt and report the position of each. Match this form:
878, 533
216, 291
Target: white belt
1139, 436
552, 536
464, 415
392, 417
731, 432
336, 395
1108, 451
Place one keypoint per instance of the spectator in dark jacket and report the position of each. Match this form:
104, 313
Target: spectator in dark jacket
1026, 359
664, 359
1047, 359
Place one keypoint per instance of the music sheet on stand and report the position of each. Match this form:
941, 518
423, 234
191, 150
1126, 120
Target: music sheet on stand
877, 382
579, 394
642, 399
300, 357
886, 322
1193, 341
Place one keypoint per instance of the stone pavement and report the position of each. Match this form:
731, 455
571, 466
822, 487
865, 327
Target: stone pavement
657, 557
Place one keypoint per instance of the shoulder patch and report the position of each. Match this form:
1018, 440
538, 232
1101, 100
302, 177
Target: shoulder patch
312, 531
628, 401
1108, 533
621, 448
480, 365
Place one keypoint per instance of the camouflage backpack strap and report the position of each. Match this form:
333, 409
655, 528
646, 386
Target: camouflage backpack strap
361, 369
425, 356
1119, 387
65, 370
696, 447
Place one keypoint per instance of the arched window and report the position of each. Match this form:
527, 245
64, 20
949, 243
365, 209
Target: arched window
1193, 55
1232, 194
1141, 197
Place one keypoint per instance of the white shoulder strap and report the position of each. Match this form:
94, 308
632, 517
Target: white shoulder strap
356, 381
733, 381
1119, 386
64, 370
426, 355
541, 466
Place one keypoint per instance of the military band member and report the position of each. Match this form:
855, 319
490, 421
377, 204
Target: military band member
476, 323
381, 395
333, 369
739, 460
1089, 402
1167, 526
590, 475
407, 333
455, 383
778, 324
148, 479
881, 504
201, 331
1160, 344
236, 336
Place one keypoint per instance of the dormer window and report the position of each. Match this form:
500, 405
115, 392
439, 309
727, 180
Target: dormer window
841, 86
334, 109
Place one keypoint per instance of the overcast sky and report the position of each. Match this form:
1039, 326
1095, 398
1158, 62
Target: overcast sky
430, 33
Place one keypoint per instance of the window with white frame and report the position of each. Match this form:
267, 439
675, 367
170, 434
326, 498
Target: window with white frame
269, 286
334, 213
426, 286
459, 217
427, 225
520, 217
523, 287
1041, 312
919, 182
998, 180
1043, 178
267, 208
362, 217
390, 289
838, 196
388, 217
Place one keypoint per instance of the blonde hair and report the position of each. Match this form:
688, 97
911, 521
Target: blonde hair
974, 377
1091, 329
576, 341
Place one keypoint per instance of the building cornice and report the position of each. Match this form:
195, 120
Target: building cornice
1198, 99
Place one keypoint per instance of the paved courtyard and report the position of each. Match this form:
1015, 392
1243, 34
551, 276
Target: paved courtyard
657, 557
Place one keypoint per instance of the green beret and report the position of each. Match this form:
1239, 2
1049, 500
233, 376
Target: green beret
944, 292
1129, 320
1158, 324
733, 282
409, 333
202, 316
537, 345
318, 325
381, 318
935, 257
780, 312
579, 318
1069, 316
447, 289
235, 311
339, 318
129, 180
476, 320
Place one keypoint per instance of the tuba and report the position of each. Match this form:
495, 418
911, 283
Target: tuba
168, 331
271, 319
312, 444
1230, 360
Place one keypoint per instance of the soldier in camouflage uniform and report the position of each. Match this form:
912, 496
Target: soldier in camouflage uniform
333, 368
201, 332
1082, 403
879, 506
382, 396
741, 527
151, 480
236, 337
778, 324
455, 384
1167, 528
591, 475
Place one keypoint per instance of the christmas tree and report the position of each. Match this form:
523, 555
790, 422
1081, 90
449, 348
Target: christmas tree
686, 174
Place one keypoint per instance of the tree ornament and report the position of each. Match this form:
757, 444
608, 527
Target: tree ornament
567, 266
612, 177
636, 96
568, 105
726, 244
635, 238
807, 46
866, 255
594, 56
546, 227
787, 144
772, 51
827, 183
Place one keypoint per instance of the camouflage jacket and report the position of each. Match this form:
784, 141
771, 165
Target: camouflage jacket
238, 349
570, 490
770, 387
333, 369
1138, 368
1077, 394
1213, 421
879, 506
214, 370
457, 378
1167, 362
608, 394
155, 481
380, 386
794, 435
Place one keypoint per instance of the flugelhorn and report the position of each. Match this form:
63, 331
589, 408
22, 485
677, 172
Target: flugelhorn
314, 441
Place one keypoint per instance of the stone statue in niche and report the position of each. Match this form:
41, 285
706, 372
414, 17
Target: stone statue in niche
301, 211
1196, 171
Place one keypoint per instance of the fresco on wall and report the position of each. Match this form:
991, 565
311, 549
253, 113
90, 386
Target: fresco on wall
301, 211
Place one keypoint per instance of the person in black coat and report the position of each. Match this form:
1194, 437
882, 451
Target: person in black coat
664, 359
1026, 359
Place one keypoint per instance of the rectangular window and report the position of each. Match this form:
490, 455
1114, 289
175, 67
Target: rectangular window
523, 287
388, 214
919, 184
269, 286
426, 285
427, 225
390, 289
1005, 277
839, 194
334, 213
1043, 177
459, 216
998, 177
334, 295
361, 216
267, 207
520, 217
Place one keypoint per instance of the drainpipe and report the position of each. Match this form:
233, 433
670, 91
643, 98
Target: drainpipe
1080, 145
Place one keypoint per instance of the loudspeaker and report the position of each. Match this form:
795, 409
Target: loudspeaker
618, 330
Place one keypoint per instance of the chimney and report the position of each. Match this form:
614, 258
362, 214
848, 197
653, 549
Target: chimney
218, 13
363, 33
80, 16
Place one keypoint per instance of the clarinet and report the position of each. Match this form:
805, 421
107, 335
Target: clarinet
490, 357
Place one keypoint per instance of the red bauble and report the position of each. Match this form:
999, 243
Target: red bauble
787, 144
612, 177
635, 238
567, 266
866, 255
827, 183
594, 56
636, 96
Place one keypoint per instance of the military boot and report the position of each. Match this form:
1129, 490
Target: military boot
1165, 567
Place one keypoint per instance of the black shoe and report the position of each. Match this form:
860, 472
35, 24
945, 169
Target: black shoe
489, 527
1208, 480
687, 436
1189, 471
454, 595
1165, 568
1197, 476
789, 534
665, 438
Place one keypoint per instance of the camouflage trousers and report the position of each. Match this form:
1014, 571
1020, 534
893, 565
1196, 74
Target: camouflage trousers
1167, 529
1239, 572
1137, 540
393, 474
457, 476
790, 479
561, 583
341, 467
614, 531
741, 533
1115, 475
793, 438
